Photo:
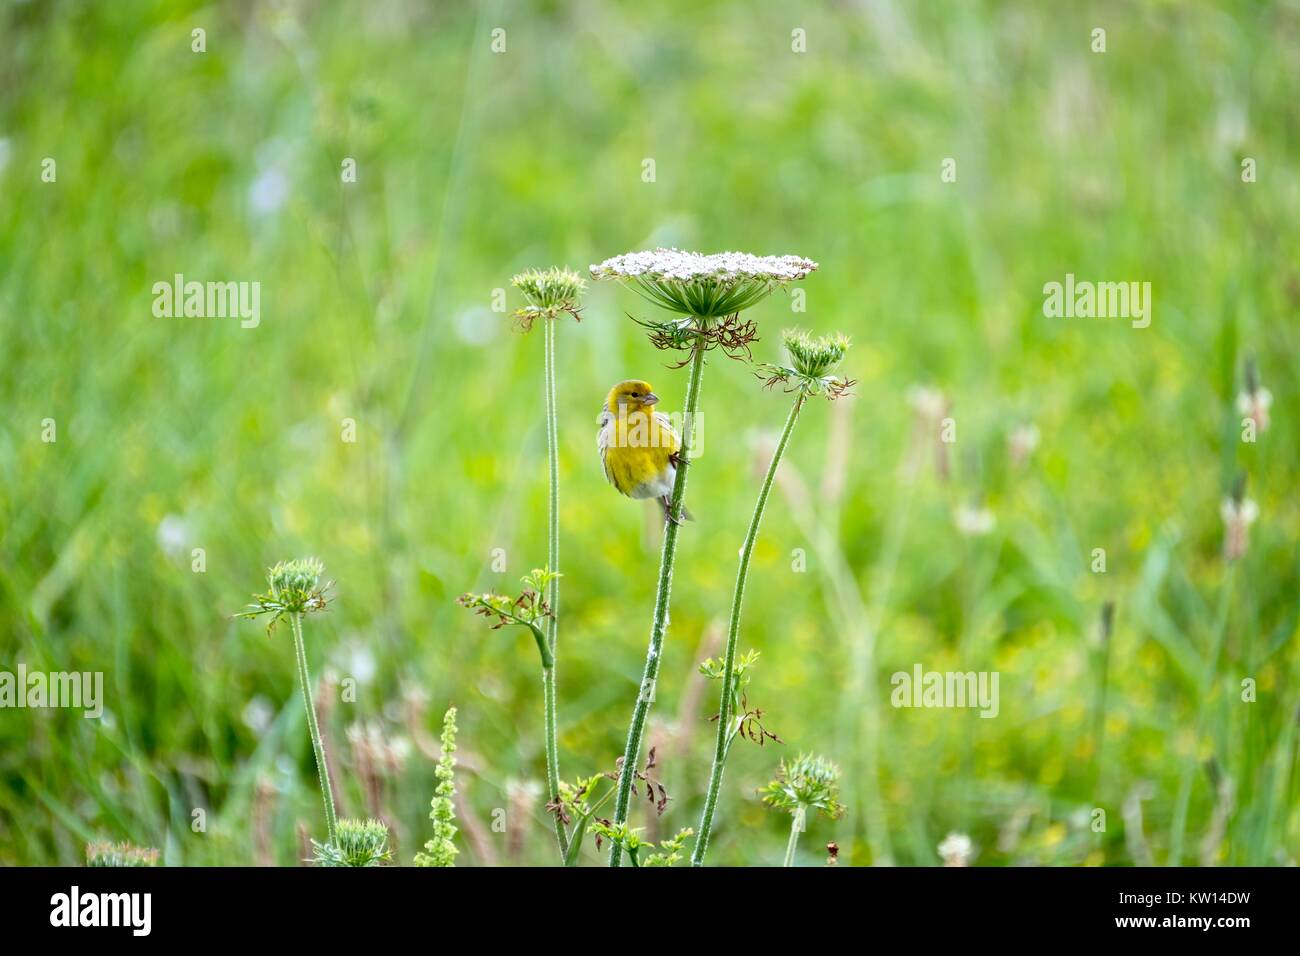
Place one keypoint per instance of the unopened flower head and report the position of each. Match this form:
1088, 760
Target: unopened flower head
294, 588
808, 781
814, 358
359, 843
703, 286
956, 849
549, 292
812, 364
295, 583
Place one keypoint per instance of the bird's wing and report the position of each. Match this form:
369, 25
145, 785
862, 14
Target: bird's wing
674, 441
606, 423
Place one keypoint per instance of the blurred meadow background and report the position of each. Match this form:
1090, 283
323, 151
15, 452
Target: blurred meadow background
377, 306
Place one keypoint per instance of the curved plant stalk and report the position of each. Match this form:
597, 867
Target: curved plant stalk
645, 695
553, 591
726, 733
318, 746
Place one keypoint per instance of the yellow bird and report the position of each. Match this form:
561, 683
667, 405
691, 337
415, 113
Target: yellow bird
638, 446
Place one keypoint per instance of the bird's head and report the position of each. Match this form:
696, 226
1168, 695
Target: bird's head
634, 395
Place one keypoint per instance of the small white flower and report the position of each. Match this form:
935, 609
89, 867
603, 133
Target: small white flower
1255, 405
956, 849
257, 714
974, 522
267, 193
173, 534
928, 403
1238, 516
1022, 442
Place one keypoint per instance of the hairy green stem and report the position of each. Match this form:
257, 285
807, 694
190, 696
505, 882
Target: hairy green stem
317, 744
553, 589
645, 694
796, 825
721, 748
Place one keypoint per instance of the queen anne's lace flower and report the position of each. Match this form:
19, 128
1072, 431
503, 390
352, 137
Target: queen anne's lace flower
703, 286
690, 266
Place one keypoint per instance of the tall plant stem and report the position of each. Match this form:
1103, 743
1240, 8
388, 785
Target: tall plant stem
553, 589
318, 746
733, 634
651, 674
796, 825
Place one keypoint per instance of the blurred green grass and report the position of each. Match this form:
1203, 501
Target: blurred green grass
376, 306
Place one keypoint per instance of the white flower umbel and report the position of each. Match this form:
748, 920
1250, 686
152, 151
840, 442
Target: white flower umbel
703, 286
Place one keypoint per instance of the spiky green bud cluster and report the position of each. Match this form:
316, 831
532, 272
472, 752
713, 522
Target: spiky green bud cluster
358, 843
120, 854
808, 781
293, 583
294, 587
549, 292
813, 362
441, 850
814, 357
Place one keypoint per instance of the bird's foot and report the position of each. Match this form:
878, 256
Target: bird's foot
668, 511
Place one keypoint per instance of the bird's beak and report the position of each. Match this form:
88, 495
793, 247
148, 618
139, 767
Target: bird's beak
650, 398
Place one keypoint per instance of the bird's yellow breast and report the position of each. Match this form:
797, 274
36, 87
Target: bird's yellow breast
637, 455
